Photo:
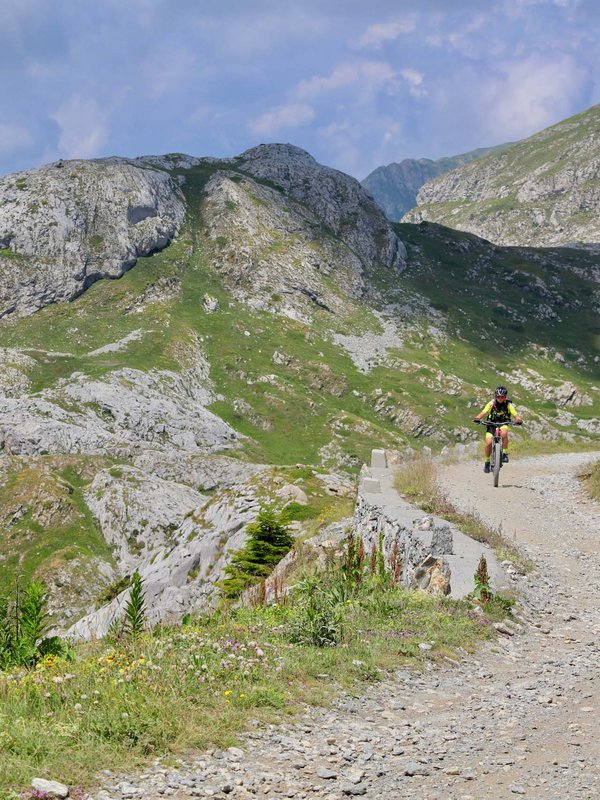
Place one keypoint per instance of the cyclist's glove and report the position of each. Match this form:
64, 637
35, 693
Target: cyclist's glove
475, 419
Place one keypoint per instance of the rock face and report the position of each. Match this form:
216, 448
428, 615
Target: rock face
124, 414
67, 224
292, 236
542, 191
70, 223
395, 186
336, 200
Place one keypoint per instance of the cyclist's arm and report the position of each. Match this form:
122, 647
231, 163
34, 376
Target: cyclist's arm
485, 411
514, 415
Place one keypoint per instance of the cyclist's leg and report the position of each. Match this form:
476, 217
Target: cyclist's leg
488, 451
488, 446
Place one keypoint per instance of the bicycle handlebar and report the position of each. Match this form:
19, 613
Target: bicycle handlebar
494, 424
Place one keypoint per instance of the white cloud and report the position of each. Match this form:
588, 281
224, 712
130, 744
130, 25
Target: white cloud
359, 73
532, 94
470, 38
414, 80
84, 127
13, 138
376, 35
168, 69
290, 116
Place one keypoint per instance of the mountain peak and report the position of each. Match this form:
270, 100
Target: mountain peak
278, 152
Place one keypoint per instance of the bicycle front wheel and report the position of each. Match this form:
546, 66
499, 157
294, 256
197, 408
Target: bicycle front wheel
496, 462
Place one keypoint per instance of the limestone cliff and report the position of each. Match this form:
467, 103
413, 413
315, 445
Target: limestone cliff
66, 225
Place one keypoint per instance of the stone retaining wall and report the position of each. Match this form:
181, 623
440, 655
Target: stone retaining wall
413, 545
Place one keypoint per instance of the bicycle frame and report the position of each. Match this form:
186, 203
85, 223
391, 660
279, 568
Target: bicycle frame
497, 447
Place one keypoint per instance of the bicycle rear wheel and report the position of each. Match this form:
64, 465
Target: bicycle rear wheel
496, 462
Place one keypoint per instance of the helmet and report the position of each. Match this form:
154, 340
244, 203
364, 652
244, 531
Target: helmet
501, 391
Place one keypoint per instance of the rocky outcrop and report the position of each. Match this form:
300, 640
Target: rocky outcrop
292, 236
182, 558
335, 199
540, 192
124, 414
68, 224
65, 225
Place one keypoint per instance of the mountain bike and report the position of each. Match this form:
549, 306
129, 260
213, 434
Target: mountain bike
497, 449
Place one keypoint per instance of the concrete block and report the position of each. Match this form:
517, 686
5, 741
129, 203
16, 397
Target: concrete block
379, 459
371, 485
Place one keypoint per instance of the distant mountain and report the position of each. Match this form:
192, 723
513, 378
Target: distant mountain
395, 187
542, 191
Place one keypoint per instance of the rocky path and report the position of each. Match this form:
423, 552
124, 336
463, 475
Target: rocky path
518, 719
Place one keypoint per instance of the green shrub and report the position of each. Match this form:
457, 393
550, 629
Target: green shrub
135, 609
318, 613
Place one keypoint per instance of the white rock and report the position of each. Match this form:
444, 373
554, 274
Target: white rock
50, 787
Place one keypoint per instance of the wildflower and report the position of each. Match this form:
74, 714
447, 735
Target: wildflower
227, 692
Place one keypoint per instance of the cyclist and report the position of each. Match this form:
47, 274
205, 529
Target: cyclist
500, 409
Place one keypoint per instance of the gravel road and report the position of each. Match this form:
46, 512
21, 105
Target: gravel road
517, 719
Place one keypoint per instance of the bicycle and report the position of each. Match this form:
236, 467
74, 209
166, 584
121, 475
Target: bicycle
497, 449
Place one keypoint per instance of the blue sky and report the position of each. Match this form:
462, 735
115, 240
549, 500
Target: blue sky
357, 83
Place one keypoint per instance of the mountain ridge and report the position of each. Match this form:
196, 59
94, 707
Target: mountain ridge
395, 186
542, 191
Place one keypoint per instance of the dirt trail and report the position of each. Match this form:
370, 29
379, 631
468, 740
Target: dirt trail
520, 718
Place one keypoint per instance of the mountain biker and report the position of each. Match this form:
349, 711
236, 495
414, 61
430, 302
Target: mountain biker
500, 409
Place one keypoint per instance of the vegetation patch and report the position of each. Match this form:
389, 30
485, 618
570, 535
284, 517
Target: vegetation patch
590, 477
117, 706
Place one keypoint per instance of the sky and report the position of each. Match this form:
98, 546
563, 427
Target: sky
357, 83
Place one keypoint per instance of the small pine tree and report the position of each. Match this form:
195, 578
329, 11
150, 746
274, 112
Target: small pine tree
268, 542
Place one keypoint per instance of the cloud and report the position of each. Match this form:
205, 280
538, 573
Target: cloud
414, 80
84, 127
168, 69
377, 34
532, 93
361, 73
290, 116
